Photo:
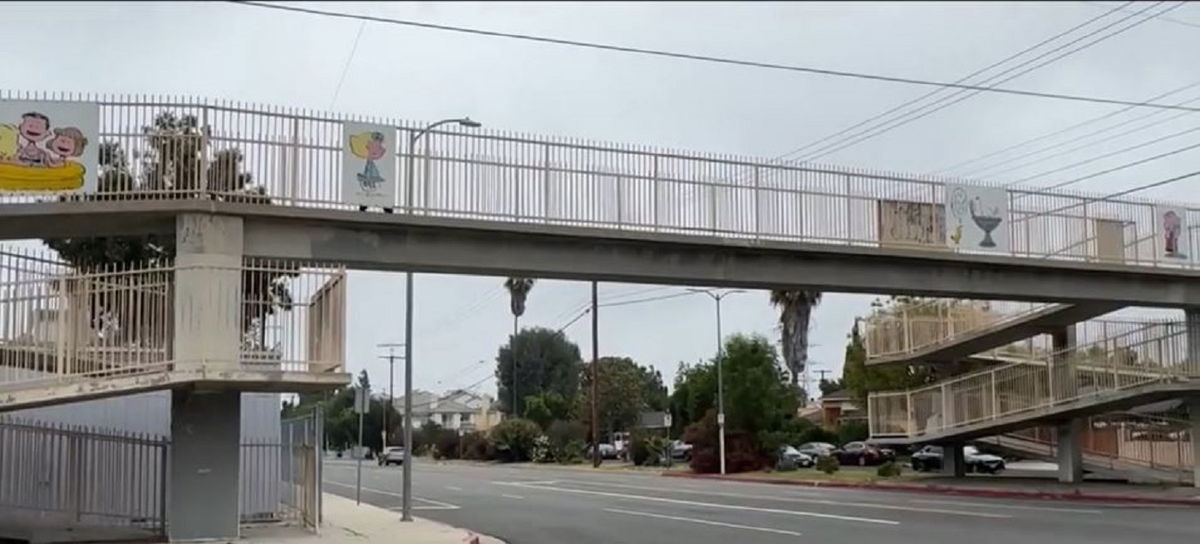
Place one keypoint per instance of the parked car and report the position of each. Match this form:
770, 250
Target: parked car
817, 449
392, 455
802, 460
863, 454
931, 458
681, 450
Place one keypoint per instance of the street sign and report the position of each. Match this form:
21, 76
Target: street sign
362, 400
720, 419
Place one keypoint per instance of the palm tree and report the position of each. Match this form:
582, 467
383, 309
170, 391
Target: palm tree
518, 290
795, 312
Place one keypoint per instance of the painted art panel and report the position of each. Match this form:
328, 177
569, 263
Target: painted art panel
977, 218
48, 146
1171, 230
369, 165
912, 224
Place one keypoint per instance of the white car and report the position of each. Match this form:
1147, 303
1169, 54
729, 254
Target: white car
392, 455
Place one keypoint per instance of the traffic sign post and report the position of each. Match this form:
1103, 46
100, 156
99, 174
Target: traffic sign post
362, 400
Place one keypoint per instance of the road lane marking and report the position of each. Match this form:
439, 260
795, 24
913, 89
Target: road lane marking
774, 498
706, 504
507, 496
1009, 506
453, 488
433, 505
703, 522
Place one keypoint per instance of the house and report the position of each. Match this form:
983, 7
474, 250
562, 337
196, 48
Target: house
839, 407
458, 409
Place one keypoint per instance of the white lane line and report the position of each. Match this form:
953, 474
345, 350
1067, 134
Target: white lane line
1009, 506
507, 496
705, 504
433, 505
774, 498
703, 522
453, 488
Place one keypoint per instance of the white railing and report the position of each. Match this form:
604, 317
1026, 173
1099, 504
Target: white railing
60, 324
294, 156
1150, 352
907, 329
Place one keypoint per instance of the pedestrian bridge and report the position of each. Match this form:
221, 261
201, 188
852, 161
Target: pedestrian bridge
497, 202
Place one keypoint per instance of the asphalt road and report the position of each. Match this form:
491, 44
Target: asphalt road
535, 505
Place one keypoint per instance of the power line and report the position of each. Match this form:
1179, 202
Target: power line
941, 103
939, 90
1124, 166
1054, 133
1009, 162
1132, 190
1166, 19
713, 59
1092, 159
346, 67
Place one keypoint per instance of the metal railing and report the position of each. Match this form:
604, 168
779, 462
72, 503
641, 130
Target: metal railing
1139, 354
1119, 441
290, 466
176, 147
60, 324
77, 475
907, 329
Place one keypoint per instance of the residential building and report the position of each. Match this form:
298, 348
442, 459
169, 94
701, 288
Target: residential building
458, 409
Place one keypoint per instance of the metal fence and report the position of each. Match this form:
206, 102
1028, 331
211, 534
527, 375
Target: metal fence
293, 157
1133, 354
1119, 441
291, 468
87, 476
907, 329
83, 476
60, 323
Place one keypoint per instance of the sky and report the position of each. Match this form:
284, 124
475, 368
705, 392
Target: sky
223, 50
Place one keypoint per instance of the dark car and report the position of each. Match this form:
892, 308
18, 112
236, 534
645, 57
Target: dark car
931, 458
817, 449
862, 454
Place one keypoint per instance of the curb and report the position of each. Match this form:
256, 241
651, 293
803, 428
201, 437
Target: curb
950, 490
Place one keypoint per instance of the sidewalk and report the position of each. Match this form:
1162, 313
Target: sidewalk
992, 486
349, 523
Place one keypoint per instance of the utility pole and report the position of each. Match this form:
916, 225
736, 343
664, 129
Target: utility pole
595, 374
391, 359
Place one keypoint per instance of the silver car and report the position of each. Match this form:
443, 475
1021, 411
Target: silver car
392, 455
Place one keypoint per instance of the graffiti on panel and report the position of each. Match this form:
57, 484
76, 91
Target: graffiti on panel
911, 223
1170, 226
977, 218
48, 146
369, 165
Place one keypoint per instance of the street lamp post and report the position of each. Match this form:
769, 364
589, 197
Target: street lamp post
717, 296
391, 359
408, 311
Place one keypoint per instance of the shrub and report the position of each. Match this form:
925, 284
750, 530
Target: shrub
446, 444
852, 431
648, 448
659, 448
742, 453
514, 438
476, 446
541, 450
565, 441
784, 464
890, 469
828, 465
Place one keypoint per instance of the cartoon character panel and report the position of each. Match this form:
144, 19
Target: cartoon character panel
48, 146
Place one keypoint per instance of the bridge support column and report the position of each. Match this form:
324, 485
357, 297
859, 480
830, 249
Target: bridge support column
202, 498
1070, 451
954, 463
1194, 414
1061, 375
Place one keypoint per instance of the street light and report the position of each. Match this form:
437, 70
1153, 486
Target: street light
408, 311
717, 296
391, 359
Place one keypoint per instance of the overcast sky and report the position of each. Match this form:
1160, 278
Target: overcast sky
254, 54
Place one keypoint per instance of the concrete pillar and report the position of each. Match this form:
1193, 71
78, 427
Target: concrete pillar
953, 461
1191, 320
208, 284
1194, 415
202, 501
1070, 451
202, 495
1062, 383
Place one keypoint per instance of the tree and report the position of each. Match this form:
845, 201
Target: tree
694, 393
795, 313
174, 160
548, 407
861, 379
624, 390
545, 361
830, 386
